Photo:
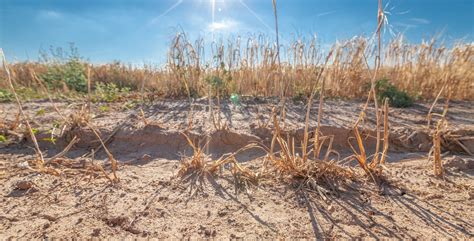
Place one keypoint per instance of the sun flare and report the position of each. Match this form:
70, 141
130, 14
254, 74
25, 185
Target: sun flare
213, 9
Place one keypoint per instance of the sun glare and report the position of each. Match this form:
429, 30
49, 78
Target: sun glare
213, 6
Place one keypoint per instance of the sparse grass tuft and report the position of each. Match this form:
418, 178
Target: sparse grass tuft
109, 92
5, 96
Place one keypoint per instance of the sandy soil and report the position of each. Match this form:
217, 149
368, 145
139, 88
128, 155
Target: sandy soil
151, 201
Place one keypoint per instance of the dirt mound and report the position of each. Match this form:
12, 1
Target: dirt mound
455, 141
156, 142
133, 141
460, 164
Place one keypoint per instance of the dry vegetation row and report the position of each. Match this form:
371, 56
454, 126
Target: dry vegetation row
250, 67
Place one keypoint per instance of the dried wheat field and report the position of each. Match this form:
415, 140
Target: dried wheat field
242, 138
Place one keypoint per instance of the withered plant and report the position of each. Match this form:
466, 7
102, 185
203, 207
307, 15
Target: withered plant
294, 163
77, 120
194, 169
371, 164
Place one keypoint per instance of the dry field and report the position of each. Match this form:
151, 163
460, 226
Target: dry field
243, 138
163, 187
249, 67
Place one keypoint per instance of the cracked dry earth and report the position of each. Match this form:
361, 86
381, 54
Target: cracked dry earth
149, 201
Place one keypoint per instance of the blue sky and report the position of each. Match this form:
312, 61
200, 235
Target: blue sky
140, 31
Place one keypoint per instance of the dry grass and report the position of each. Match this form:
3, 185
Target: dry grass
302, 162
196, 168
249, 68
39, 155
56, 165
294, 163
372, 166
440, 132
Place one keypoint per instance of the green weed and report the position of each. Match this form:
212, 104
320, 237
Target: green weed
109, 92
396, 98
104, 108
65, 69
40, 112
5, 96
35, 131
50, 139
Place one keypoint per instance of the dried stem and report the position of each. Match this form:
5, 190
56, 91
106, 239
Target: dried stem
20, 107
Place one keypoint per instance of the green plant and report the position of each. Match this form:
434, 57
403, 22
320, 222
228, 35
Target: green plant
3, 139
5, 95
215, 81
65, 69
26, 93
396, 98
34, 131
104, 108
130, 104
299, 96
109, 92
51, 140
40, 112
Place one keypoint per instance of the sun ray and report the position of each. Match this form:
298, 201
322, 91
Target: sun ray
255, 15
213, 6
155, 20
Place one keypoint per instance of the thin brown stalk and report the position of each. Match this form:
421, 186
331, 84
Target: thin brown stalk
113, 162
429, 116
89, 95
55, 107
386, 133
20, 107
320, 107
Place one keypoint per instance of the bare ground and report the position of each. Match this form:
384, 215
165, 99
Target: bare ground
150, 201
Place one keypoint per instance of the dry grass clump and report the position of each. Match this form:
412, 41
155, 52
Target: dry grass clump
446, 138
194, 169
373, 166
293, 163
9, 132
290, 163
440, 130
74, 126
56, 165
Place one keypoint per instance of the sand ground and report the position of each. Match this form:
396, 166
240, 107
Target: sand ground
150, 201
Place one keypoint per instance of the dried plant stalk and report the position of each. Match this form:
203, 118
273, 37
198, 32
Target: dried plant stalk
40, 158
386, 133
438, 165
